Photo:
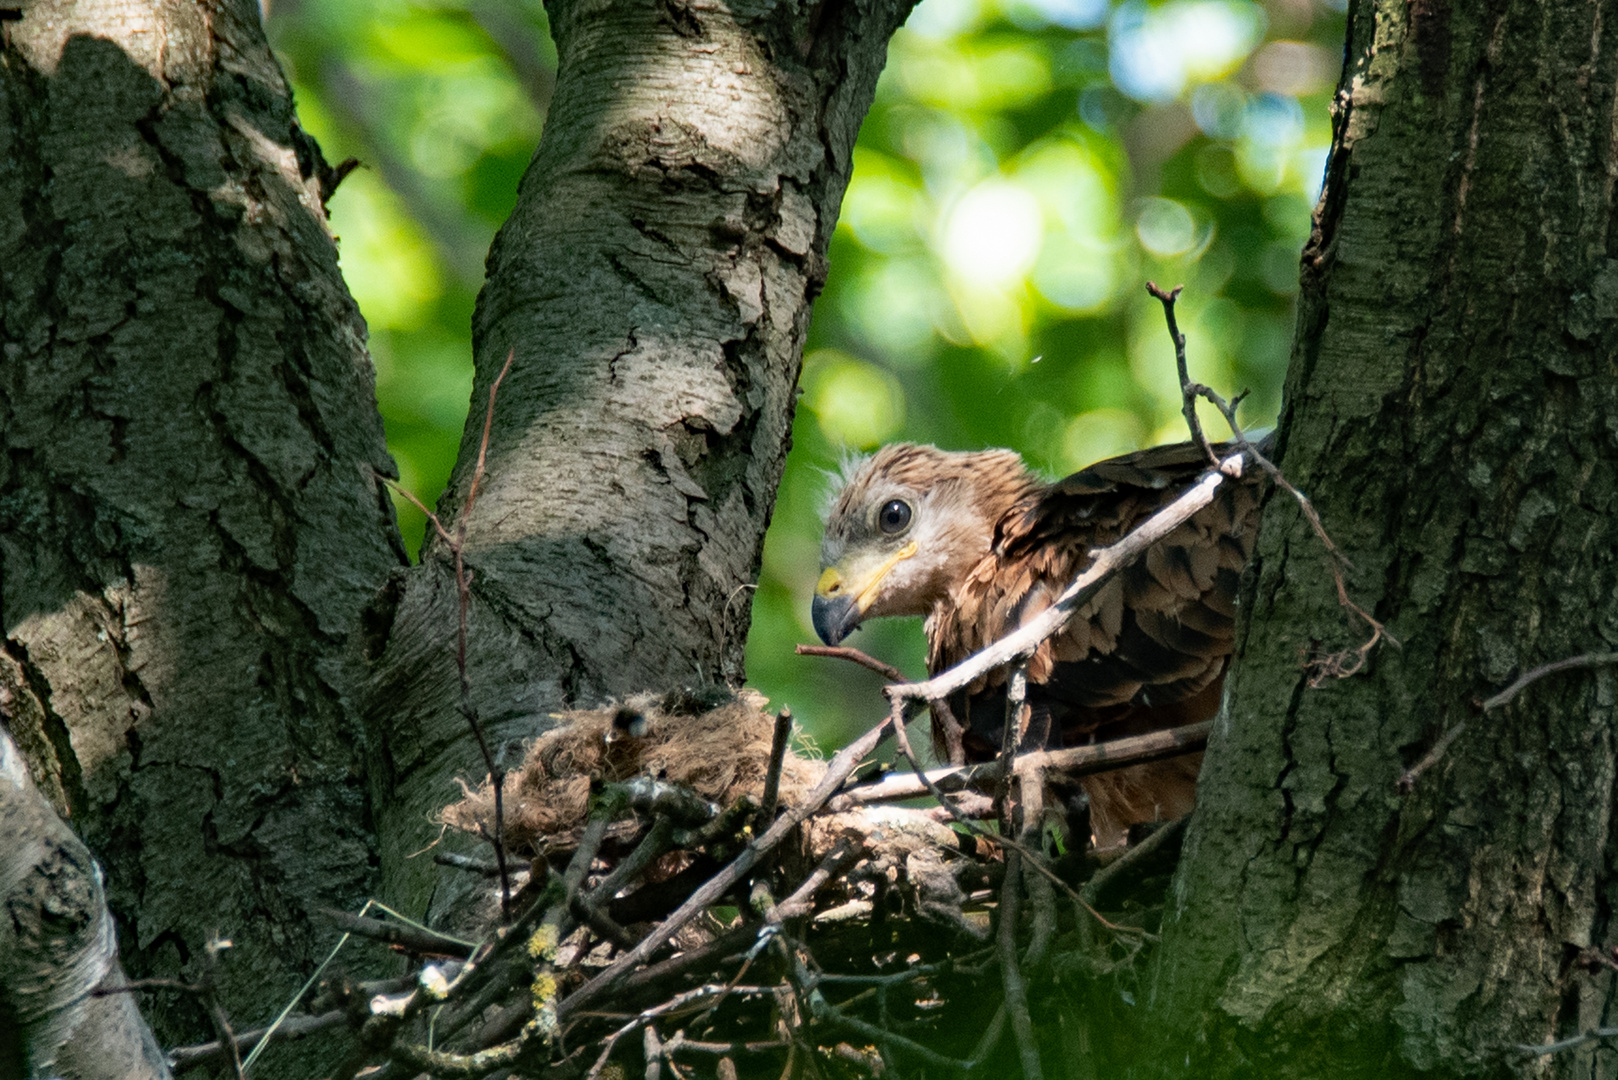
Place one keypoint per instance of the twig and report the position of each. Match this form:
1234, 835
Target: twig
1010, 740
1188, 389
440, 1063
411, 939
847, 652
1571, 1043
652, 845
674, 1004
680, 1043
652, 1050
838, 859
731, 942
466, 862
944, 718
1407, 781
1073, 761
948, 730
463, 588
772, 775
463, 591
837, 771
1338, 665
1130, 859
133, 985
203, 990
186, 1058
1588, 660
826, 1011
206, 990
1016, 992
1031, 795
990, 1039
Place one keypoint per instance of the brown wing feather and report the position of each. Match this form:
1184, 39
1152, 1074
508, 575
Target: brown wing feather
1146, 653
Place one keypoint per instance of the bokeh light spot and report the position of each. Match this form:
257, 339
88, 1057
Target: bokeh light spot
1098, 434
857, 404
993, 234
1165, 227
1156, 51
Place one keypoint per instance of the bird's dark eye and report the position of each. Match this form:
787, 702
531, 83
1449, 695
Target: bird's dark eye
894, 517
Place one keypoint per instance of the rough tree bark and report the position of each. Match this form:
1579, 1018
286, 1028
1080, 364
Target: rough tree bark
654, 284
1450, 407
192, 531
189, 521
59, 944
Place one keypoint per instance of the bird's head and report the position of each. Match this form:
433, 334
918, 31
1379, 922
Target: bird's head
907, 525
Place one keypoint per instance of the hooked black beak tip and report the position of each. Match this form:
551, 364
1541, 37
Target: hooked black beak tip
835, 618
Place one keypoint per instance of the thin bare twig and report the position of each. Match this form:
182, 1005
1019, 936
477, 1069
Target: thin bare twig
1587, 660
951, 730
947, 725
652, 1051
1136, 855
410, 938
1016, 991
1573, 1042
778, 754
463, 588
456, 543
207, 992
466, 862
847, 652
843, 855
1188, 389
1338, 665
1407, 781
1073, 761
1011, 740
676, 1003
441, 1063
190, 1057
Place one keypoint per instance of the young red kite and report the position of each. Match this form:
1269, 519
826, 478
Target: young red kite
978, 544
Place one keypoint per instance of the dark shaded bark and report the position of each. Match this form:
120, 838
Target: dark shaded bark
655, 283
189, 521
1450, 408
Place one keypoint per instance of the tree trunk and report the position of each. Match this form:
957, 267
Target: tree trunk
57, 944
189, 520
654, 286
1450, 409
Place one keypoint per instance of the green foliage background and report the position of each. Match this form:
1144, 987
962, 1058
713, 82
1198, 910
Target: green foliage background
1027, 166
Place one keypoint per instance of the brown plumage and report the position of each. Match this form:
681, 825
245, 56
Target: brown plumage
978, 544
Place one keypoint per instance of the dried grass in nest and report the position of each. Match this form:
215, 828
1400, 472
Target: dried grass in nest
718, 747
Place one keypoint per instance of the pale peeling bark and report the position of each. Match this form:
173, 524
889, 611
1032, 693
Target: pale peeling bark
189, 523
57, 944
1450, 408
655, 282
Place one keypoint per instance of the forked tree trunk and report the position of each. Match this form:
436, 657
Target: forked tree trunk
189, 521
654, 286
1450, 408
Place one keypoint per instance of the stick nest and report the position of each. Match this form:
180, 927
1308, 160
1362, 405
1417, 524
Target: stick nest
715, 744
